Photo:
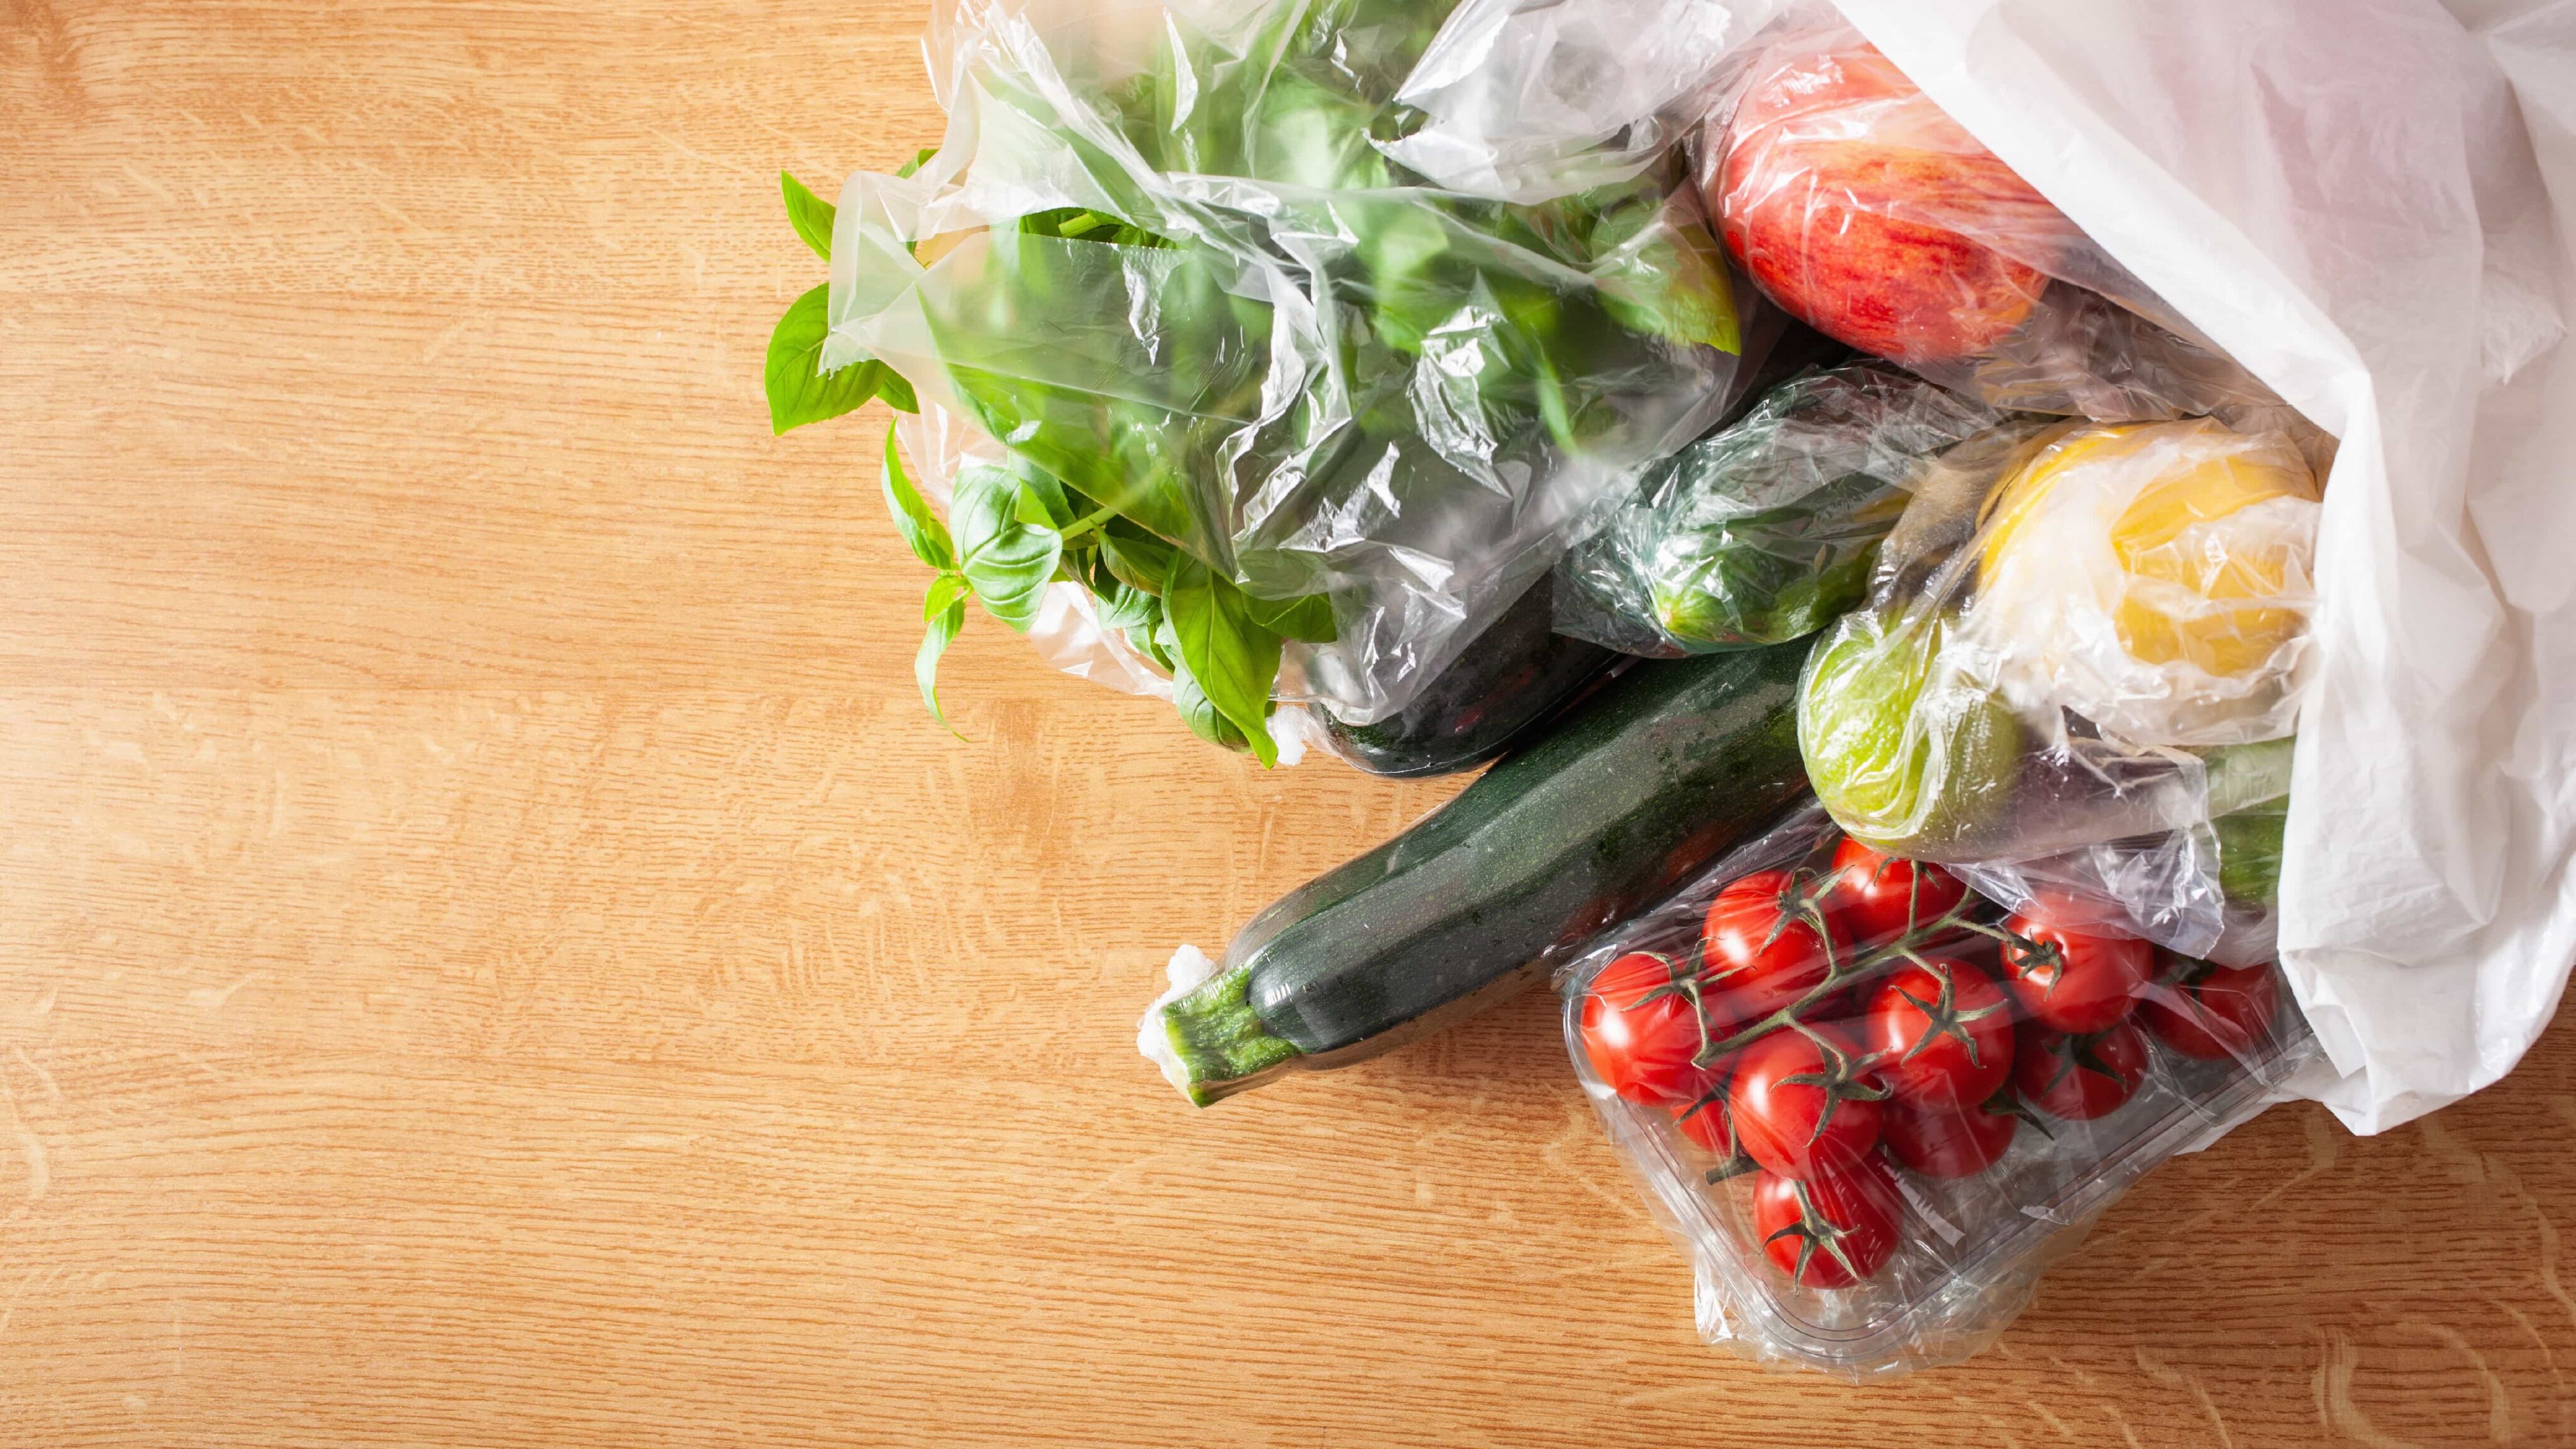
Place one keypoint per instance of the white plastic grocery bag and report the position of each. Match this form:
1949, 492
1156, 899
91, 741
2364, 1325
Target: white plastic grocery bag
2345, 195
2368, 203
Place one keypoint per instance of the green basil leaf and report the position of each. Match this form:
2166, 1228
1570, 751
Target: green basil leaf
921, 528
1656, 277
1234, 660
1200, 714
1009, 562
1077, 223
1148, 641
798, 393
1139, 563
896, 392
1114, 592
1088, 566
919, 159
1125, 608
1309, 619
945, 591
1043, 501
944, 625
811, 215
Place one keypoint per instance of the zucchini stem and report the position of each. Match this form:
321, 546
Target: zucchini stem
1218, 1039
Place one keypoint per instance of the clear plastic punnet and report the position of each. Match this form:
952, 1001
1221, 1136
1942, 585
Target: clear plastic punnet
1856, 203
1163, 258
1764, 530
1872, 1107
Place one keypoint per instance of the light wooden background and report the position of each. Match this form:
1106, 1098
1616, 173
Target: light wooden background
493, 953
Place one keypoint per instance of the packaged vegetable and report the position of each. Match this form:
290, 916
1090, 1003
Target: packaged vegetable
1503, 688
1653, 775
1300, 425
1854, 202
1871, 1107
2084, 645
1766, 529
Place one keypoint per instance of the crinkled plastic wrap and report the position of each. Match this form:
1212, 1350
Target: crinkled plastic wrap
1871, 1109
1765, 530
1163, 257
1857, 204
2085, 646
1528, 100
1509, 685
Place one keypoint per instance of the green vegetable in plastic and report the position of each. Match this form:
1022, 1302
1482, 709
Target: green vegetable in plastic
1767, 529
1129, 369
2249, 853
1772, 574
1905, 756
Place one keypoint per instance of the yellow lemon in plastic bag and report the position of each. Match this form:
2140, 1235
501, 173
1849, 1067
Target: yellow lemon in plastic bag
2155, 579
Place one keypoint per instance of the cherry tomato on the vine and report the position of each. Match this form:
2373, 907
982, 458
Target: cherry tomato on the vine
1939, 1033
2073, 980
2080, 1077
1880, 897
1707, 1119
1768, 941
1948, 1141
1831, 1230
1801, 1101
2211, 1013
1641, 1028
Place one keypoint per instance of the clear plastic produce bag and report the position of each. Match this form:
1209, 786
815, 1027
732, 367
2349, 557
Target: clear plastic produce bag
1855, 202
1527, 100
1163, 258
2085, 644
1871, 1107
1765, 530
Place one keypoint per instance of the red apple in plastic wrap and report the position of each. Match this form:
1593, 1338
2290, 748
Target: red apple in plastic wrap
1859, 205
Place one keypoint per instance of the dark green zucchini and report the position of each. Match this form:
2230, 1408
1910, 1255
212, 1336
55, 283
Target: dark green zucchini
1504, 684
1649, 779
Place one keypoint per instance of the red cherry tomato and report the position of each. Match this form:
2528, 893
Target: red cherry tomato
2212, 1013
1880, 897
1768, 941
2071, 980
1641, 1030
2080, 1077
1704, 1122
1800, 1102
1947, 1141
1708, 1118
1939, 1034
1831, 1230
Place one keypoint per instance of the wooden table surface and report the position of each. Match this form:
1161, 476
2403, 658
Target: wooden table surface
493, 952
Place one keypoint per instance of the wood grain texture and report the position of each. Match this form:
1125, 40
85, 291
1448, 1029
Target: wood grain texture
493, 953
